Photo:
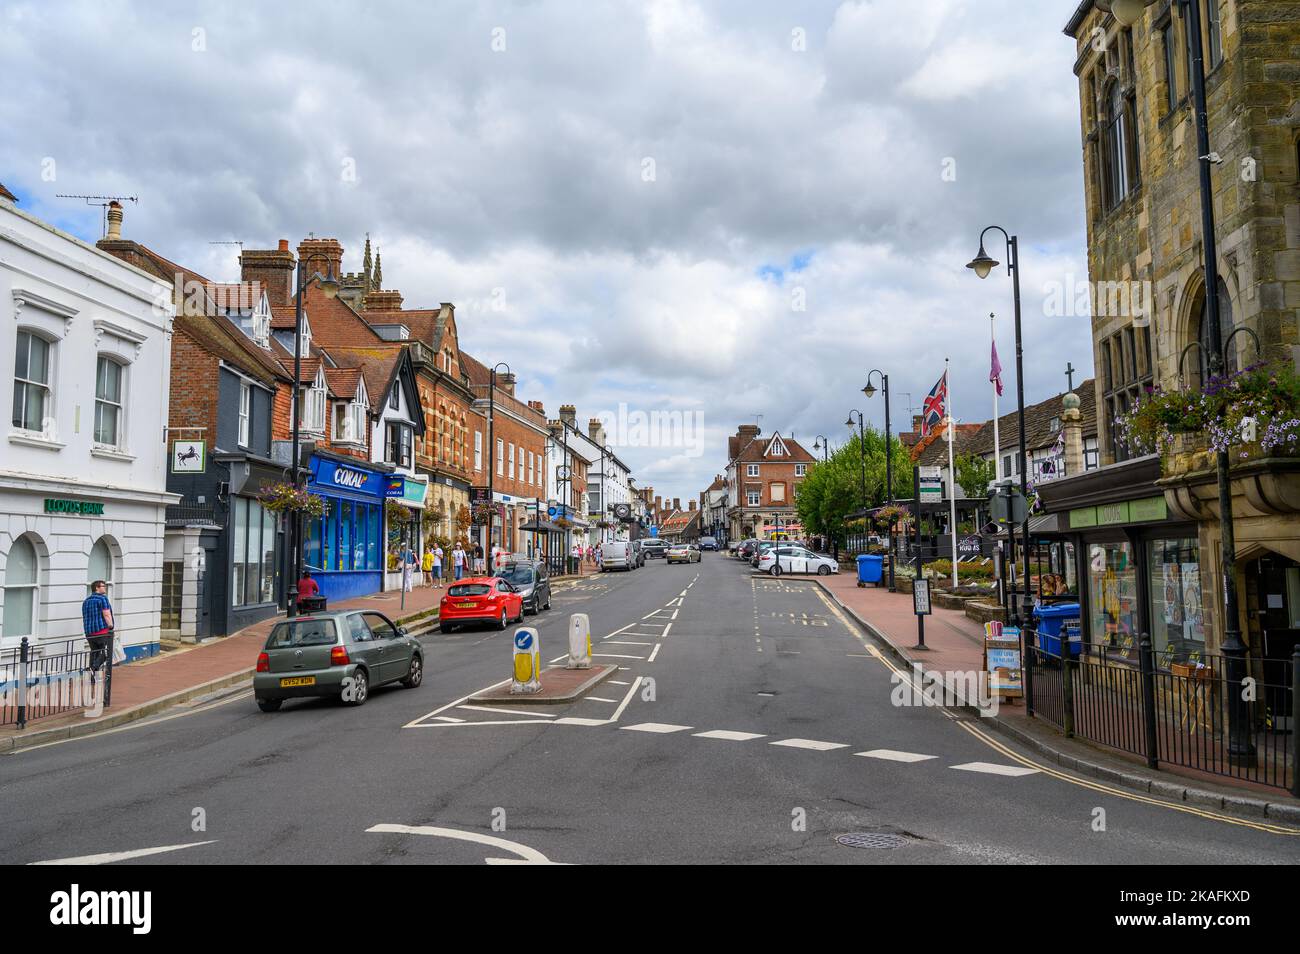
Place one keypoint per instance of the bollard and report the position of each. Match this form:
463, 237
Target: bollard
579, 642
527, 661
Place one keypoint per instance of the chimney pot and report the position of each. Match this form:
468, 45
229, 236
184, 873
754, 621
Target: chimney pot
677, 503
284, 245
271, 270
114, 220
692, 506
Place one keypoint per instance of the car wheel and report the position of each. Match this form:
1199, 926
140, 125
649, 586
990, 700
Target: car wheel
776, 569
823, 571
520, 617
416, 674
548, 600
270, 705
360, 690
504, 621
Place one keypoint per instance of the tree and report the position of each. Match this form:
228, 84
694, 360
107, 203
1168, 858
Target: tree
833, 489
974, 474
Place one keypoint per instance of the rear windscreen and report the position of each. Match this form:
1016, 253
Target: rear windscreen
470, 589
306, 632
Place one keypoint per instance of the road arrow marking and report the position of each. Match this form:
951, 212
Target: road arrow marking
112, 856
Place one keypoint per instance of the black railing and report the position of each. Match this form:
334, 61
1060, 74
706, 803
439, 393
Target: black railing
1178, 711
57, 678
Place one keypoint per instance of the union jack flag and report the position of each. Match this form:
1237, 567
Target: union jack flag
935, 406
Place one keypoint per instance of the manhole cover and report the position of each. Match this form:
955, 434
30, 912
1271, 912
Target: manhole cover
871, 839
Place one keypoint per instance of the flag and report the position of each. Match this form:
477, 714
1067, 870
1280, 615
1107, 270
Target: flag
995, 370
935, 406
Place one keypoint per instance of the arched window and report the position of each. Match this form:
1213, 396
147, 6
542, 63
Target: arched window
1226, 325
21, 590
101, 565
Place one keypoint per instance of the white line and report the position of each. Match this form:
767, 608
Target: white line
653, 653
514, 847
448, 719
992, 768
676, 602
682, 593
728, 735
623, 642
112, 856
455, 702
475, 725
659, 728
552, 662
889, 755
809, 744
618, 682
575, 720
617, 631
788, 652
674, 614
541, 715
665, 632
600, 699
626, 699
618, 656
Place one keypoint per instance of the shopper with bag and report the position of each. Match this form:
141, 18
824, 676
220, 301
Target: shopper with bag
97, 624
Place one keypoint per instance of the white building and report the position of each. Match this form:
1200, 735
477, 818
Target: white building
86, 340
609, 483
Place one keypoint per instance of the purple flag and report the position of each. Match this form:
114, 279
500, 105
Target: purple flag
995, 371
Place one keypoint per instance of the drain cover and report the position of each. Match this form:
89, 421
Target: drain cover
871, 839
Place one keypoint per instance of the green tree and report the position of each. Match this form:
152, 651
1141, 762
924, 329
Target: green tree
832, 490
974, 474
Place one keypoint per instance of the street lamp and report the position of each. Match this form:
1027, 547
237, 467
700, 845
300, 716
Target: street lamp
330, 286
982, 264
492, 469
862, 457
823, 445
870, 391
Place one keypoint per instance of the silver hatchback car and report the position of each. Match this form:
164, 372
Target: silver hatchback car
339, 655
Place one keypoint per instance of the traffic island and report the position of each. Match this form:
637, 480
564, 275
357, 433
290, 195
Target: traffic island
559, 685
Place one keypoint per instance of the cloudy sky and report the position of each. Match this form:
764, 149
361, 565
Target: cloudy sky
735, 208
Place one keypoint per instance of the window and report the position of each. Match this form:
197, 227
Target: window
510, 471
478, 450
108, 402
312, 405
395, 398
751, 470
1118, 155
350, 421
245, 402
100, 565
1112, 588
501, 463
1226, 325
1215, 27
397, 445
1171, 64
21, 591
31, 382
753, 497
1177, 611
778, 493
800, 470
530, 468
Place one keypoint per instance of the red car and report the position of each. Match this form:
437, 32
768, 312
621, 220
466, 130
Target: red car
480, 599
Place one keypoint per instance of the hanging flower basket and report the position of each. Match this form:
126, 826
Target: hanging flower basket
398, 515
285, 498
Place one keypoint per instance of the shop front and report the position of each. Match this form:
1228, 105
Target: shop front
345, 548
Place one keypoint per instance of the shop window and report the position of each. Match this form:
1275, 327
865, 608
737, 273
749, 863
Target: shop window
22, 596
345, 535
108, 402
252, 554
311, 553
1113, 596
268, 555
373, 548
1177, 610
31, 382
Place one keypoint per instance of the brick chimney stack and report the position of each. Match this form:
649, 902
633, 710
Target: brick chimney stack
569, 415
596, 432
692, 506
382, 301
321, 255
659, 504
677, 503
271, 270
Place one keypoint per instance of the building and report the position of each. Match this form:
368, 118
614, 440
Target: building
568, 466
713, 510
609, 490
1146, 527
83, 476
681, 526
763, 477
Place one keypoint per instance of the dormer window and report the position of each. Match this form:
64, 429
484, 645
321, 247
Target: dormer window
776, 448
350, 418
312, 403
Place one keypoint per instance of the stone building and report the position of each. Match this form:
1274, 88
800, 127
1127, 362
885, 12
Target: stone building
1149, 556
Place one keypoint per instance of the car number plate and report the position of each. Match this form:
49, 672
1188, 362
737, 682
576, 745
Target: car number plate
465, 605
298, 681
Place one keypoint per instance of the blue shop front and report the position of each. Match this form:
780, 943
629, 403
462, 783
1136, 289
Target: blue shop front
345, 548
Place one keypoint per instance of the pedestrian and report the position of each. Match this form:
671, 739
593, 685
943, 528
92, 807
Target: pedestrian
599, 557
458, 561
427, 564
307, 588
437, 564
408, 561
478, 559
97, 624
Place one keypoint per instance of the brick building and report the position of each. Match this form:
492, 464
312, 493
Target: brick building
763, 477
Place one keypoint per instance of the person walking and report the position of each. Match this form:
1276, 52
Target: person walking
426, 564
599, 558
458, 561
408, 561
437, 565
97, 624
478, 559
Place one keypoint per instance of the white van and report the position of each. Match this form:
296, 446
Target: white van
617, 555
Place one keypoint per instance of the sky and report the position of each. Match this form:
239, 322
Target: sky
702, 214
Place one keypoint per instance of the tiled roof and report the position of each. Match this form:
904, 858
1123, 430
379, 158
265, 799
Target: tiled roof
343, 381
376, 364
757, 448
235, 296
219, 336
335, 324
6, 194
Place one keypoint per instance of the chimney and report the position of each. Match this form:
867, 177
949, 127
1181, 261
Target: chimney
382, 301
659, 503
677, 503
538, 406
747, 432
569, 415
114, 221
692, 506
321, 255
271, 270
595, 431
916, 423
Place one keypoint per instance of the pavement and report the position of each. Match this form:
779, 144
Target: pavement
748, 720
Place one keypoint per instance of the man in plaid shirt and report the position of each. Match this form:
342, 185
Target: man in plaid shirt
97, 623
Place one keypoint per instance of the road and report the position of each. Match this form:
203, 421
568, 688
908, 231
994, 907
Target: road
752, 723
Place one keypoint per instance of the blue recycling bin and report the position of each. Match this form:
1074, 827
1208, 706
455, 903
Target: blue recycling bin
1051, 621
870, 568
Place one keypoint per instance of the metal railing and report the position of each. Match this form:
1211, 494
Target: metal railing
58, 678
1179, 712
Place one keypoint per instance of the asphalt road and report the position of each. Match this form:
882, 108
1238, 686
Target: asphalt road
735, 734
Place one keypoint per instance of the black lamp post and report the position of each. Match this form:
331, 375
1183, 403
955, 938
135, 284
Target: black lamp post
870, 391
981, 265
492, 468
862, 460
1241, 748
823, 445
330, 286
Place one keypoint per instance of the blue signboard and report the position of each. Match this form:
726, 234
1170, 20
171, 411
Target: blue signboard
524, 639
331, 476
654, 531
395, 487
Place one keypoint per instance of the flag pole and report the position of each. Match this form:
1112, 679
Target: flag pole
952, 477
997, 444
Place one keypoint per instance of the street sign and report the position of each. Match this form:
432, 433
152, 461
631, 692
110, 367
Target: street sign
929, 485
921, 597
189, 457
1008, 507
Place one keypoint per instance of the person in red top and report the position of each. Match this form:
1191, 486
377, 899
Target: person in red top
306, 587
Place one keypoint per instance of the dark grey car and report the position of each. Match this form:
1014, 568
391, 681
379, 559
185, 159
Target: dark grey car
340, 655
532, 581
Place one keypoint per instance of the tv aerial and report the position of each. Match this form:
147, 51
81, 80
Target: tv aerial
103, 201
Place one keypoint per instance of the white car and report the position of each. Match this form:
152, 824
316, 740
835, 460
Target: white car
794, 559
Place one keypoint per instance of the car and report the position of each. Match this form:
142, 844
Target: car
533, 582
683, 553
339, 655
760, 547
654, 547
617, 555
639, 552
789, 558
708, 543
480, 599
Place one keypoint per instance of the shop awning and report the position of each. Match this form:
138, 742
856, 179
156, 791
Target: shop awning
542, 526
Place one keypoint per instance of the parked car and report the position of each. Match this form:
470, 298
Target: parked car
708, 543
761, 547
617, 555
654, 547
683, 553
340, 655
480, 599
746, 549
533, 582
796, 559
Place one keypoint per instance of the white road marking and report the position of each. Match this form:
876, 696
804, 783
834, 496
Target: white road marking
600, 699
414, 723
448, 719
889, 755
576, 720
653, 653
788, 652
665, 632
526, 854
475, 725
498, 709
674, 614
617, 631
617, 682
673, 602
618, 656
626, 699
992, 768
624, 642
729, 735
658, 727
109, 857
810, 744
